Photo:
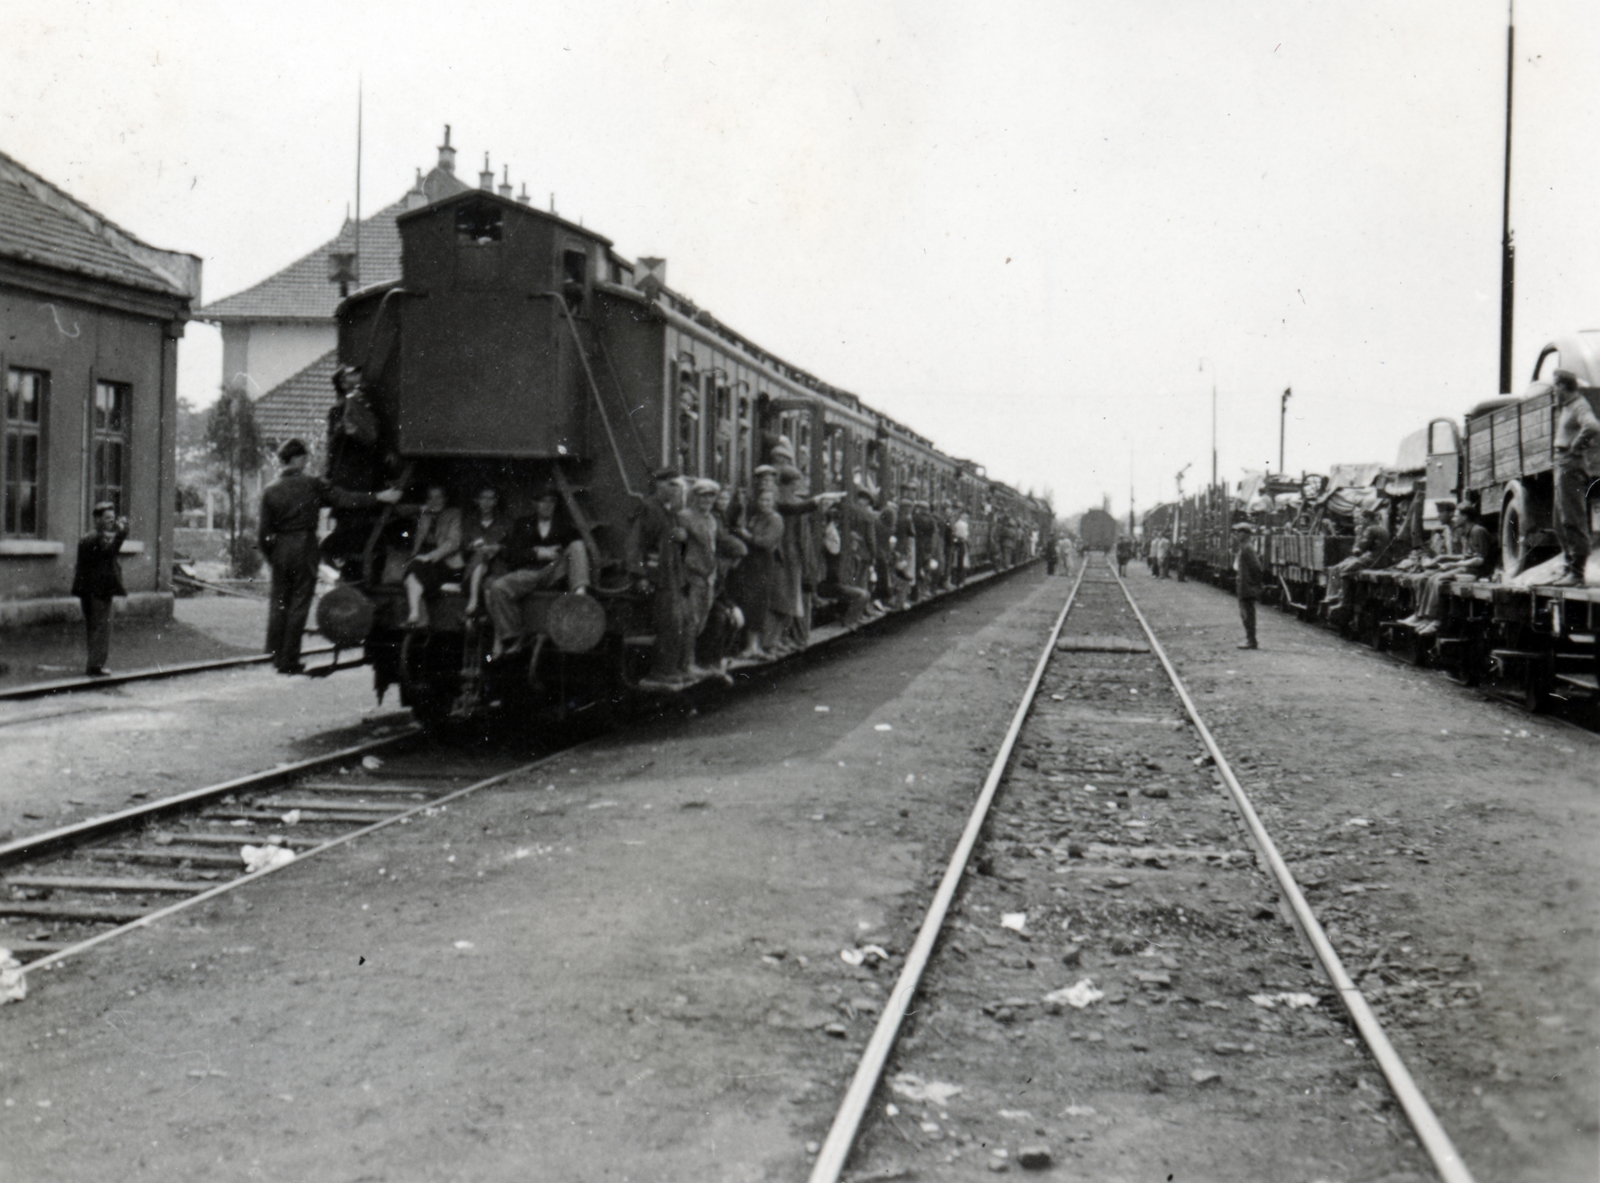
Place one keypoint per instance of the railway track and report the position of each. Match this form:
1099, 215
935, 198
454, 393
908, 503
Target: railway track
1113, 840
315, 669
70, 889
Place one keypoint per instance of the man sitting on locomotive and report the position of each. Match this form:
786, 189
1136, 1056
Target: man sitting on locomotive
435, 554
483, 539
541, 552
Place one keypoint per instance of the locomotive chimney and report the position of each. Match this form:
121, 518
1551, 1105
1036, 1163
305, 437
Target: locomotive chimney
416, 197
505, 185
486, 177
523, 197
447, 154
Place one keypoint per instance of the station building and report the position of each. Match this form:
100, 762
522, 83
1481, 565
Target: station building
279, 336
90, 318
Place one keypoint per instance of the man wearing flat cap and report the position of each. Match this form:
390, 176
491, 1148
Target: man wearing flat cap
655, 560
1576, 430
703, 544
97, 579
1247, 581
287, 538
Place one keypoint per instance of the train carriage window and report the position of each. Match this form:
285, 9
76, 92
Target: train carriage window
746, 432
802, 444
724, 429
574, 278
688, 420
479, 223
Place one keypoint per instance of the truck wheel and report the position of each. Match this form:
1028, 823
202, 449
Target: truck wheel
1514, 523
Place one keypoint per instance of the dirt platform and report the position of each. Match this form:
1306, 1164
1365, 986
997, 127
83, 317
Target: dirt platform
627, 967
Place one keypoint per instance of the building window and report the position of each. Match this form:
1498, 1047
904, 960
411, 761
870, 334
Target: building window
112, 407
22, 459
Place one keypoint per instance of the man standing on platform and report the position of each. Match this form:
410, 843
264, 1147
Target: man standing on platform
290, 507
1576, 429
655, 560
1247, 581
97, 579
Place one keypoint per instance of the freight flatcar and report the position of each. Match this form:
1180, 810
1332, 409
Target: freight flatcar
519, 352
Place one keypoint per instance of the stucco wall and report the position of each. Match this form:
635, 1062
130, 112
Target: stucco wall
78, 344
265, 353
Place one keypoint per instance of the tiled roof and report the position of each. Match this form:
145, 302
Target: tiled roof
44, 225
301, 291
298, 406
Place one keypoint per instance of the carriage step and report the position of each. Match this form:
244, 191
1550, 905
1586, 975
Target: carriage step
1587, 683
1505, 655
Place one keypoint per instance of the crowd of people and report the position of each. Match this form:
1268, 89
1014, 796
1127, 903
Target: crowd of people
729, 572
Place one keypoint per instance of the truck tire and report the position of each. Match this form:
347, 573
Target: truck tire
1515, 525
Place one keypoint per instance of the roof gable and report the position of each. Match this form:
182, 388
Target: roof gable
48, 227
297, 408
301, 291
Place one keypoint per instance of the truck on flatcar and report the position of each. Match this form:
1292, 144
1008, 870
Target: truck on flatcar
1508, 465
519, 351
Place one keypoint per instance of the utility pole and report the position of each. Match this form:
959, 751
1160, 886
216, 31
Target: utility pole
1508, 250
1205, 361
1283, 411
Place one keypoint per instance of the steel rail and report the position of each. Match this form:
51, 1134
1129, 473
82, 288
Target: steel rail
841, 1135
150, 918
93, 827
69, 685
1446, 1159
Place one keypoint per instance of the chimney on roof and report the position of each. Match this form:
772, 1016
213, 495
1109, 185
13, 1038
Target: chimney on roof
417, 197
486, 177
447, 154
523, 196
505, 185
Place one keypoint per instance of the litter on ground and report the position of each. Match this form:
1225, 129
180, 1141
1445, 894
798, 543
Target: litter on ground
913, 1088
1077, 996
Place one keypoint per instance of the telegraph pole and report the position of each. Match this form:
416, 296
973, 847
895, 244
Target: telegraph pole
1508, 250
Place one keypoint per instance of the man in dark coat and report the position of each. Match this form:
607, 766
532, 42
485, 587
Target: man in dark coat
287, 537
1247, 581
655, 560
543, 552
97, 579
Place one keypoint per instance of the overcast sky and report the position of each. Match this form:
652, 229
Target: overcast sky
1017, 227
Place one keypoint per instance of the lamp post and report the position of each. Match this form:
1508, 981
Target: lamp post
1204, 362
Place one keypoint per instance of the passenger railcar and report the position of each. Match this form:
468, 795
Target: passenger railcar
1098, 530
519, 350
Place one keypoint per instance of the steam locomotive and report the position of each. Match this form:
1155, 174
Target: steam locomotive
519, 350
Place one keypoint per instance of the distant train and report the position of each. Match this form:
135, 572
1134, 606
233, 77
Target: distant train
519, 351
1097, 530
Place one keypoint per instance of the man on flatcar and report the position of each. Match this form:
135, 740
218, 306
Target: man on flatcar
1472, 562
1370, 545
1576, 430
435, 554
655, 560
1247, 581
543, 551
287, 536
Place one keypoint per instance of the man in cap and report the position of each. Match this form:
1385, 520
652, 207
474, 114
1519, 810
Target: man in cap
287, 537
1247, 581
703, 543
655, 560
1576, 430
97, 578
1371, 543
543, 551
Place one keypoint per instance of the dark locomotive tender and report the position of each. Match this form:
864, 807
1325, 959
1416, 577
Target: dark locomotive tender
519, 350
